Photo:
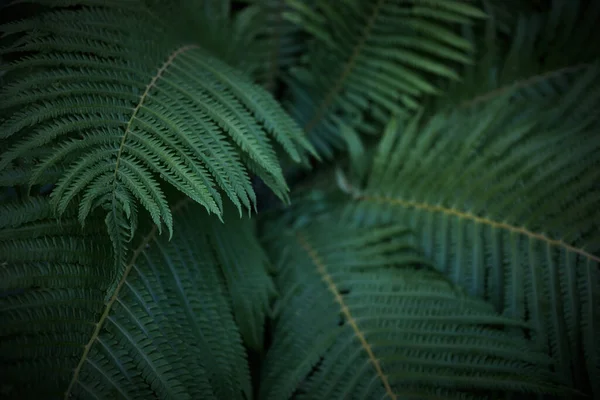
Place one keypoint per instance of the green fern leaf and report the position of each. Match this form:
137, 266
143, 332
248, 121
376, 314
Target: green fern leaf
245, 267
280, 42
375, 56
546, 50
505, 201
360, 317
167, 328
122, 113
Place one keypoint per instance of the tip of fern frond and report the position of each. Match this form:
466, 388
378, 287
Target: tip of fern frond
481, 15
316, 156
312, 151
285, 198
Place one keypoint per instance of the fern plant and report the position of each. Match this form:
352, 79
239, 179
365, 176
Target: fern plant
285, 199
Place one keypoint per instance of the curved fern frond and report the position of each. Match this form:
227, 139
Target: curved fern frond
124, 103
167, 329
546, 51
508, 207
375, 56
360, 317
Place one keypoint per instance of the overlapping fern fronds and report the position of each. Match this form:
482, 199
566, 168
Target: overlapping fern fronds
455, 256
508, 209
123, 114
167, 330
376, 56
362, 316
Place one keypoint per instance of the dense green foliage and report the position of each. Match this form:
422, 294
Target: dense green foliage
299, 199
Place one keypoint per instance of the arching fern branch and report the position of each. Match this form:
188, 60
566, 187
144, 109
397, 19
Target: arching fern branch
361, 316
125, 103
167, 328
372, 56
508, 207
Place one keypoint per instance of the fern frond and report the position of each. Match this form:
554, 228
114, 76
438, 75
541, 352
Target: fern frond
375, 56
50, 276
507, 207
537, 57
281, 41
31, 240
246, 268
226, 32
122, 113
16, 176
166, 329
362, 317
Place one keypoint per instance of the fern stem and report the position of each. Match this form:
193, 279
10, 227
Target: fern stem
346, 187
95, 335
322, 269
481, 220
519, 84
346, 71
137, 108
